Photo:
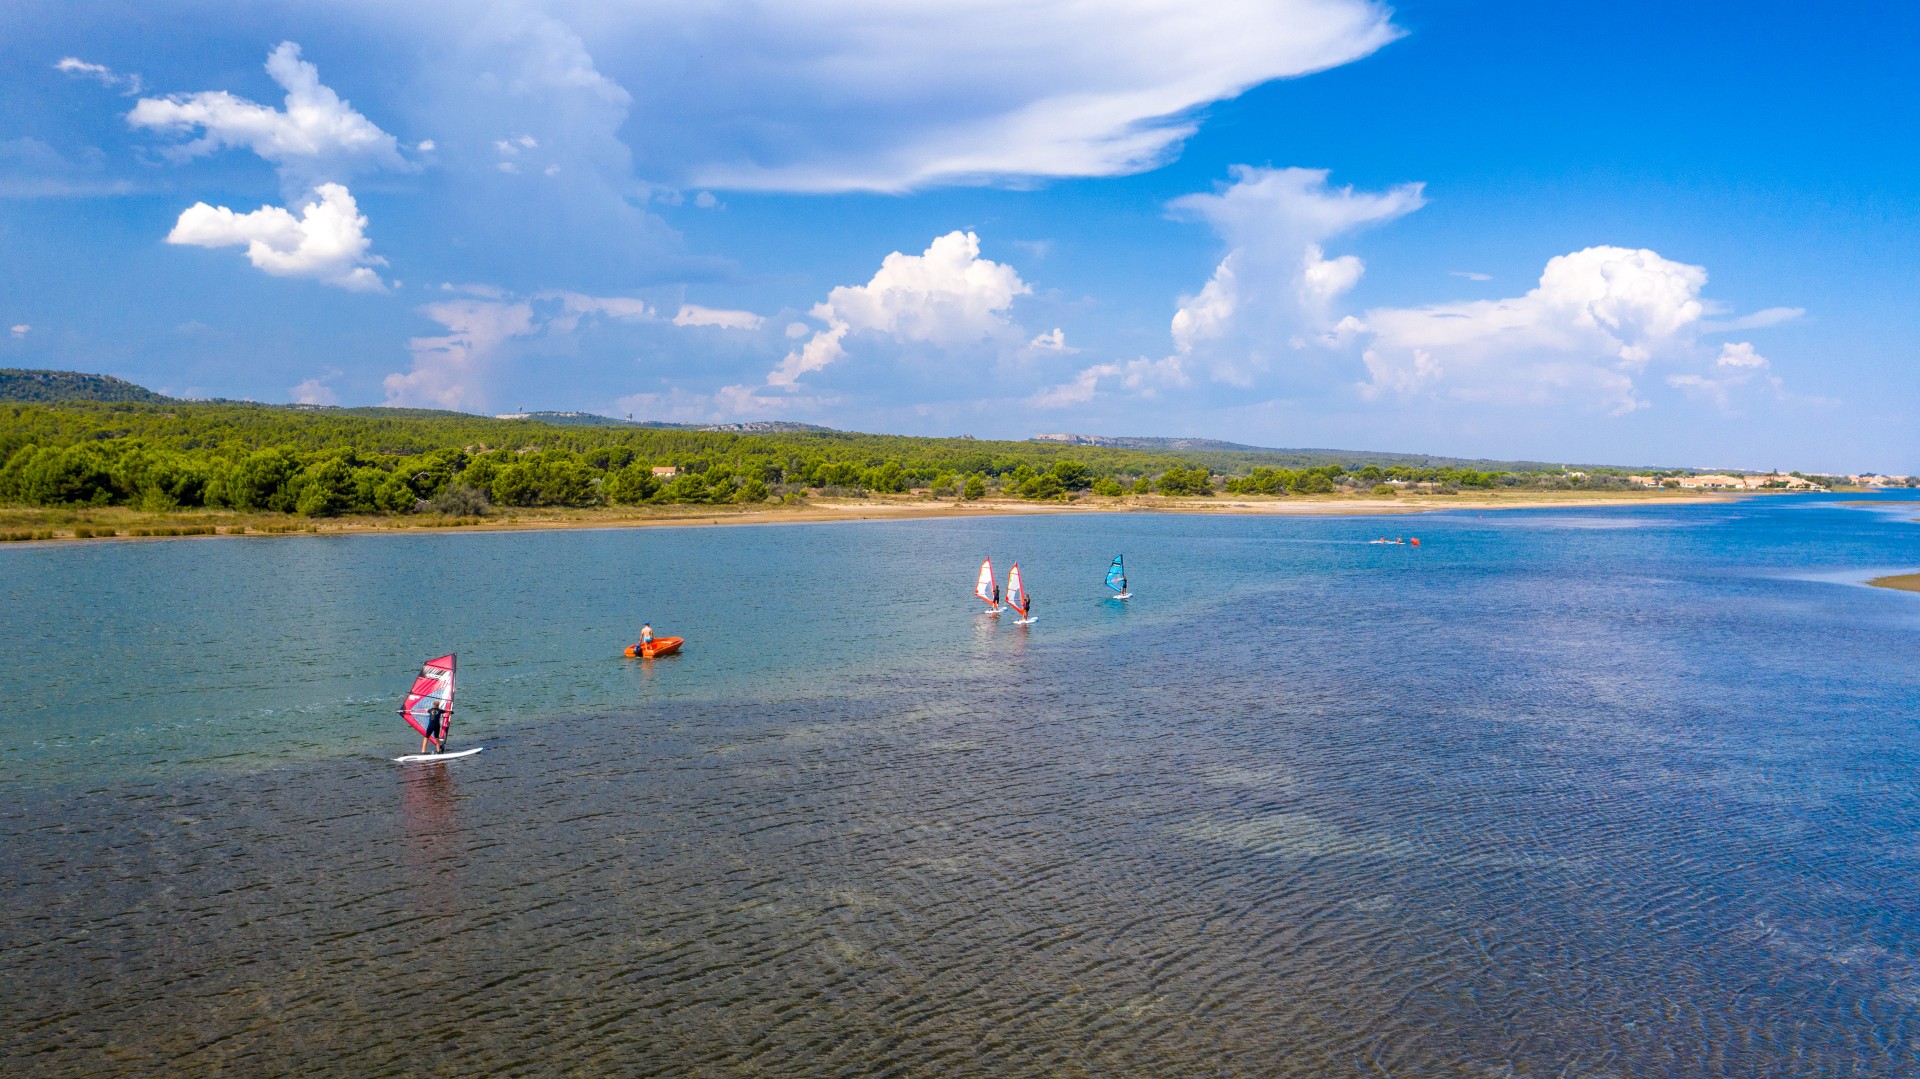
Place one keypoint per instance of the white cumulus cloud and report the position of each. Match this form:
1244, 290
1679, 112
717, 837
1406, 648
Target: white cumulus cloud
314, 391
946, 296
318, 137
326, 242
1598, 317
1272, 293
1275, 222
451, 370
1053, 341
458, 369
691, 314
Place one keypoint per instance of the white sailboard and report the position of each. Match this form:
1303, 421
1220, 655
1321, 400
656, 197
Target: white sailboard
419, 758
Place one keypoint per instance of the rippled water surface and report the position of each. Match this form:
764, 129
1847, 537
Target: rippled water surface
1606, 792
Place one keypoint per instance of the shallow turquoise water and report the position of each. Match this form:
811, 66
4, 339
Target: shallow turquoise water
1620, 791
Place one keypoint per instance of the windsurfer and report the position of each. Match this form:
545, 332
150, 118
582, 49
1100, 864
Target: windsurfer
435, 715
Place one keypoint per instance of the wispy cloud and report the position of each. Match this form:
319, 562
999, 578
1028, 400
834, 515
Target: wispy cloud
870, 97
127, 84
692, 314
1759, 320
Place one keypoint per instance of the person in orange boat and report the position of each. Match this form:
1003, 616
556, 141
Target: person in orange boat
646, 639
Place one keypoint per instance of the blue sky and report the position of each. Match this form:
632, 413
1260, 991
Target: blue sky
1602, 232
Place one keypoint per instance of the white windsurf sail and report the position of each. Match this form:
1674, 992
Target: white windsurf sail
984, 588
1016, 592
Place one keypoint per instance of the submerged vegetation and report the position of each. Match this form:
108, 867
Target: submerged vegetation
327, 462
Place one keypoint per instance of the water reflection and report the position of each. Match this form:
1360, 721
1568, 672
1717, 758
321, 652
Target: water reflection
430, 835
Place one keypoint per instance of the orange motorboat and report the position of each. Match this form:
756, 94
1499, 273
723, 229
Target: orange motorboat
661, 646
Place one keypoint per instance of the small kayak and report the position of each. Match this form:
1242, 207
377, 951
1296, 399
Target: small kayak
661, 646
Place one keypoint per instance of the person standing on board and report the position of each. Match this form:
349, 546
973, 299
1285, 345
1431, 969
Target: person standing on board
435, 714
646, 634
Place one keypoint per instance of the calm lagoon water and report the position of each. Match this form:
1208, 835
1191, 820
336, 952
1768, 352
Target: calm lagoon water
1590, 792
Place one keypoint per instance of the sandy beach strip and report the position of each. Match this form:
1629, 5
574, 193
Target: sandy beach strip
123, 522
1905, 582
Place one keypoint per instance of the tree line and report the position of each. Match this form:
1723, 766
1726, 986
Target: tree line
325, 462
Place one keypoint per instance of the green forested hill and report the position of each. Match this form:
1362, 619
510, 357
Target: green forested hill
322, 461
47, 386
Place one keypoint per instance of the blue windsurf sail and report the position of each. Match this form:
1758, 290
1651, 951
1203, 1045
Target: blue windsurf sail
1117, 575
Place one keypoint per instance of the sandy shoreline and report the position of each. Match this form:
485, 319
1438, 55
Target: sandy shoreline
1905, 582
48, 525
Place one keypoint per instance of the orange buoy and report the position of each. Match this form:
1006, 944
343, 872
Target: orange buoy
1416, 541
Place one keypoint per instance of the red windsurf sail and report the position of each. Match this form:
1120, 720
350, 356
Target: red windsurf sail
1016, 591
433, 685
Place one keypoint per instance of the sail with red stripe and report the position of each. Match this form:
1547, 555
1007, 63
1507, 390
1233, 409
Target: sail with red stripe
433, 685
1016, 592
984, 589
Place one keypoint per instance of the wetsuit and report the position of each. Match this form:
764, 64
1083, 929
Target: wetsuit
435, 717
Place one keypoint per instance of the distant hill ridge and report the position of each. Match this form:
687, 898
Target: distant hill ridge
594, 419
54, 387
49, 387
1304, 454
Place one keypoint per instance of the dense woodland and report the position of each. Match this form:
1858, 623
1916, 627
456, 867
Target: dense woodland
328, 461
